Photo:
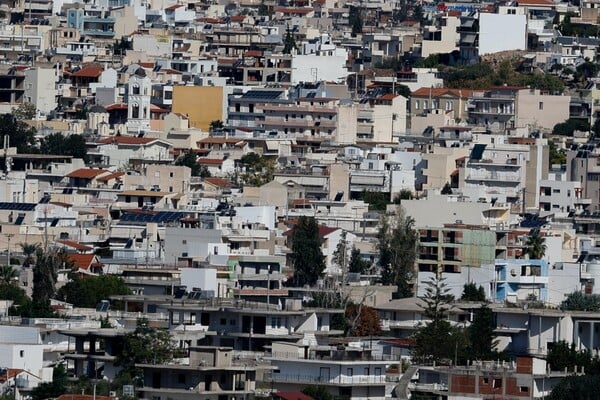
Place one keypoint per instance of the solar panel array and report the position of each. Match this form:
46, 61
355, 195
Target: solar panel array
262, 94
157, 217
17, 206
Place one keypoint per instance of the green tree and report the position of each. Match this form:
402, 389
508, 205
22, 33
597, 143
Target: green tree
306, 255
447, 189
259, 170
263, 9
377, 201
24, 112
397, 246
29, 251
216, 126
189, 159
481, 334
557, 156
340, 255
318, 392
89, 291
584, 387
437, 340
358, 265
355, 20
535, 246
437, 299
21, 135
8, 275
57, 143
472, 293
578, 301
571, 125
44, 281
21, 302
145, 345
289, 43
52, 389
362, 320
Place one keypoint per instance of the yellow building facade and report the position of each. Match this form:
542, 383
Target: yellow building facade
202, 104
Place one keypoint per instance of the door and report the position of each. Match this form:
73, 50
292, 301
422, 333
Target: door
324, 374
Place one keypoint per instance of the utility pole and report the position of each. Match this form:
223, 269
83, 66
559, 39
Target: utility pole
9, 236
45, 229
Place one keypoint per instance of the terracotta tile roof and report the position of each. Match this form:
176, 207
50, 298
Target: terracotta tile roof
253, 53
146, 64
156, 109
293, 10
210, 161
219, 182
82, 261
173, 7
116, 106
219, 140
209, 20
73, 244
388, 96
10, 373
88, 72
126, 140
170, 71
292, 396
108, 177
238, 18
437, 92
86, 173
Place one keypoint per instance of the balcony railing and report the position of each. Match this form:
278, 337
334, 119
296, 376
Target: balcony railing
347, 380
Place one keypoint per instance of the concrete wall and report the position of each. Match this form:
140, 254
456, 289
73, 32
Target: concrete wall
202, 104
494, 35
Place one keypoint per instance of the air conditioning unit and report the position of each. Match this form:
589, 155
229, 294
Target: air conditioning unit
112, 394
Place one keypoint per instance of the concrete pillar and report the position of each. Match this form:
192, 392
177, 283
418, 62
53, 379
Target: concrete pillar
592, 336
577, 338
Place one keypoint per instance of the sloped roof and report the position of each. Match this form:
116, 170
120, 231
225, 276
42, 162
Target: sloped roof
210, 161
92, 71
86, 173
292, 396
75, 245
126, 140
82, 261
437, 92
219, 182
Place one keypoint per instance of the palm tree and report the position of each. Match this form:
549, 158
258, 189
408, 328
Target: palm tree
29, 250
8, 275
535, 246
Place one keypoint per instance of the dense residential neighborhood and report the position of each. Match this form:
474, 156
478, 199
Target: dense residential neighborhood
299, 199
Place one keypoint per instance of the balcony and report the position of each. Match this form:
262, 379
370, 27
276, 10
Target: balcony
321, 380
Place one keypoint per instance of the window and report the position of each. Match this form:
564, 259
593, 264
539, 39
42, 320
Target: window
541, 105
22, 353
232, 322
486, 381
135, 89
497, 383
425, 104
135, 110
350, 372
181, 379
223, 321
416, 104
524, 389
170, 174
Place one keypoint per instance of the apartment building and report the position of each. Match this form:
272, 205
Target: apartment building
508, 107
499, 171
352, 371
454, 247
